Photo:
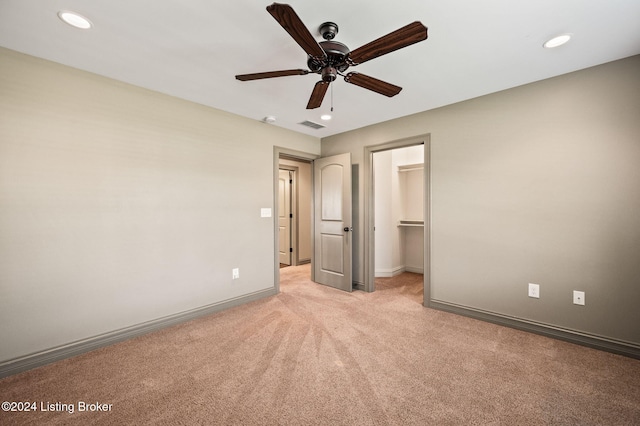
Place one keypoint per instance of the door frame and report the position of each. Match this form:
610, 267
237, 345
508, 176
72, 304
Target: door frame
307, 157
369, 210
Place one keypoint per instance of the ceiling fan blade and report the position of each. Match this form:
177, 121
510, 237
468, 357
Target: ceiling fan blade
403, 37
317, 95
270, 74
373, 84
289, 20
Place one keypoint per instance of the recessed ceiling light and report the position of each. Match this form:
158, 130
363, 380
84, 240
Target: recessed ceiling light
557, 41
74, 19
325, 117
270, 119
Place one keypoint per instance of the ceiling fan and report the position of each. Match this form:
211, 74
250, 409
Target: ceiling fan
331, 58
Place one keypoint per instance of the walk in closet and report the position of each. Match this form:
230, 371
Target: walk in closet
399, 221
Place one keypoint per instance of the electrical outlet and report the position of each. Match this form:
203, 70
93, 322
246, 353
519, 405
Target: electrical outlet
235, 273
578, 297
534, 290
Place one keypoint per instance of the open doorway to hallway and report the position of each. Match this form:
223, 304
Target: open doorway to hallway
295, 214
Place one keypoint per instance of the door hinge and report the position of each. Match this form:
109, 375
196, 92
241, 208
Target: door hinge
290, 181
291, 215
290, 249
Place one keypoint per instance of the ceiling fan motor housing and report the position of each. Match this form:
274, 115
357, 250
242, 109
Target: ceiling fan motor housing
334, 62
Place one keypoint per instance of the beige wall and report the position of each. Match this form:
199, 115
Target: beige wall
540, 184
119, 205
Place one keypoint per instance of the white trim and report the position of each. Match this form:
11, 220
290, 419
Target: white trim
389, 273
415, 270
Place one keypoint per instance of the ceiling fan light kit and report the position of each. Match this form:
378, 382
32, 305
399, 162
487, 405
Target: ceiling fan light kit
331, 59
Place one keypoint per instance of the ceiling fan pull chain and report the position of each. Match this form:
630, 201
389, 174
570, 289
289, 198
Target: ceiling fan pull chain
331, 98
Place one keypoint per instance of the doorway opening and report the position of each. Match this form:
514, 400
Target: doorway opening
331, 239
397, 212
294, 212
294, 204
398, 220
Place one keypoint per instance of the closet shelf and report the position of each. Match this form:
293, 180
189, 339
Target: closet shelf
410, 167
409, 223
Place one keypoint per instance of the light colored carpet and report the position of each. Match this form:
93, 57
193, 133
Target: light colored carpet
313, 355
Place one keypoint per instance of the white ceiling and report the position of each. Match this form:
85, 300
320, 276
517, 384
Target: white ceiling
192, 49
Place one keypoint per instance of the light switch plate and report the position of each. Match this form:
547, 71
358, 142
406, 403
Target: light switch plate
578, 297
265, 212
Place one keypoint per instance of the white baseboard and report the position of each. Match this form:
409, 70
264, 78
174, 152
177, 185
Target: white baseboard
388, 273
414, 269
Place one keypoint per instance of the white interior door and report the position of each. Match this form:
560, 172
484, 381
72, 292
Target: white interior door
333, 232
284, 216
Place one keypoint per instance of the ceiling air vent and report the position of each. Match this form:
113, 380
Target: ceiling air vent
312, 124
